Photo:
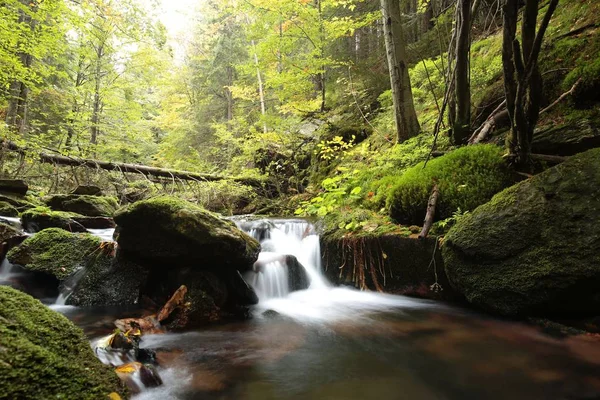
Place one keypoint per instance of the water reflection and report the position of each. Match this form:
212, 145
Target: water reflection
419, 353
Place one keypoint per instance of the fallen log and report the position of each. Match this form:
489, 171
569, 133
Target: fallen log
145, 170
435, 193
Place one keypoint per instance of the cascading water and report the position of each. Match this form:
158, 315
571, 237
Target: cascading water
280, 239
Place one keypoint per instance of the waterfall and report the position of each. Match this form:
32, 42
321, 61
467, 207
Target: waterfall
280, 239
68, 286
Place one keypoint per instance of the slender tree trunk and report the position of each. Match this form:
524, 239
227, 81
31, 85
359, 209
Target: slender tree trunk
97, 103
321, 76
462, 86
228, 94
407, 124
16, 114
261, 91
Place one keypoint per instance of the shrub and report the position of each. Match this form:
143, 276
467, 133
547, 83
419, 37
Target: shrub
467, 178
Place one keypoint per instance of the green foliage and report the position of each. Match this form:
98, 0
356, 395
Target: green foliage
466, 178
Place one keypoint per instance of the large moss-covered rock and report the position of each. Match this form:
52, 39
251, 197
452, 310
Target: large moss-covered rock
56, 252
170, 230
91, 206
82, 263
535, 247
39, 218
44, 356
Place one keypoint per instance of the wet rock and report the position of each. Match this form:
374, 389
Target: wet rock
271, 314
9, 237
137, 376
91, 206
297, 277
535, 248
45, 356
109, 280
15, 186
169, 230
88, 190
118, 348
8, 210
39, 218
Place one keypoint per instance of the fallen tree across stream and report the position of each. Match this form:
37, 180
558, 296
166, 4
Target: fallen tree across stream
145, 170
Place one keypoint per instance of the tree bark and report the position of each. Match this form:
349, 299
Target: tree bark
522, 79
462, 86
407, 124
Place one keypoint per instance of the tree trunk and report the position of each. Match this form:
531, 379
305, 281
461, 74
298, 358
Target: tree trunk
407, 124
522, 79
462, 86
16, 113
95, 120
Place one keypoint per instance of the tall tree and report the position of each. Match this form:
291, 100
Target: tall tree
407, 124
462, 88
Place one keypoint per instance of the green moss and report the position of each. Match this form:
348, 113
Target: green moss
170, 228
466, 178
44, 356
91, 206
56, 252
38, 218
534, 248
8, 210
17, 202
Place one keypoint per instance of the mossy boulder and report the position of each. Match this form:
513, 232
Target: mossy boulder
39, 218
44, 356
466, 178
8, 210
83, 265
56, 252
18, 202
170, 230
534, 249
91, 206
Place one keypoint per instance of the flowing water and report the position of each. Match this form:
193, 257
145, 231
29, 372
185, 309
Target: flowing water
338, 343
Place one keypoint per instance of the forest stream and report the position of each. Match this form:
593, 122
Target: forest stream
339, 343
